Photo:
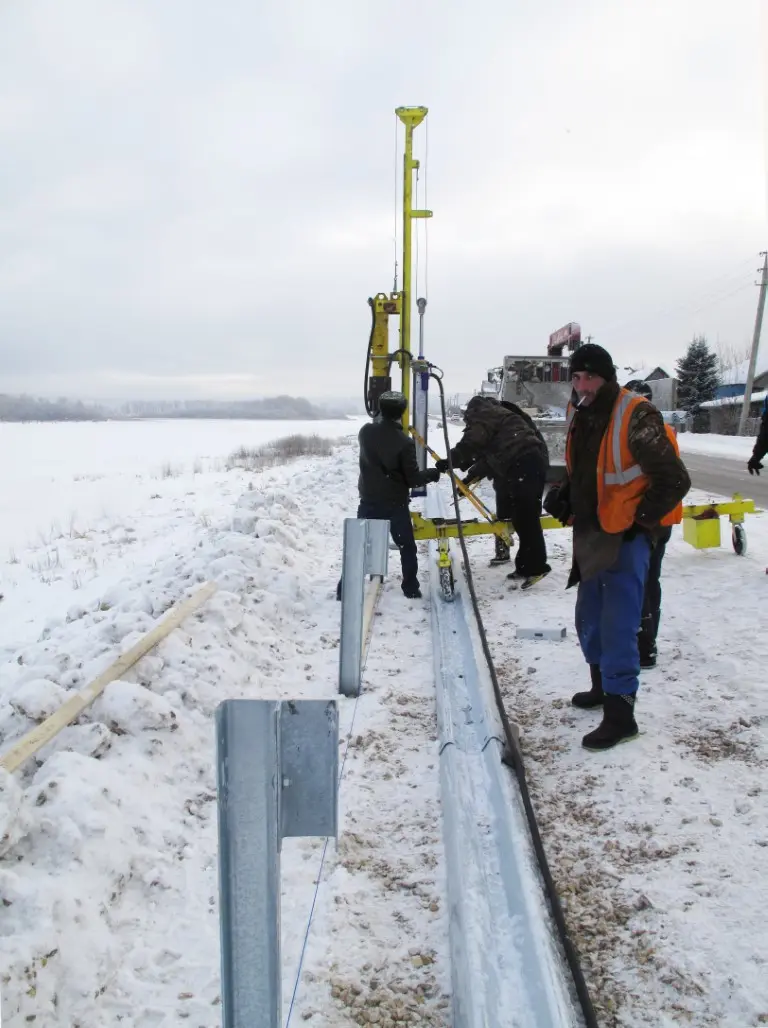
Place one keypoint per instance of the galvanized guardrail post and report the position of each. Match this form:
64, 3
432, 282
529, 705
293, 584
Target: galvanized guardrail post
366, 552
376, 548
277, 767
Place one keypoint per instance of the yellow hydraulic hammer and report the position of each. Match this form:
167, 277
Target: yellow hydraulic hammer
382, 306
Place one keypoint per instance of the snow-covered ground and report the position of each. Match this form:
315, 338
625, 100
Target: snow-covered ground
108, 847
659, 847
108, 842
84, 503
59, 476
735, 447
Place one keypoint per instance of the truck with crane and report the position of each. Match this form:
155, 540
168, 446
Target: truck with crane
539, 383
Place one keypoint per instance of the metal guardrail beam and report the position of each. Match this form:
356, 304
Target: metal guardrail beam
277, 766
507, 971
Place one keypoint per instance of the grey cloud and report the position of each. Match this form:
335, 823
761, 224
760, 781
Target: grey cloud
195, 196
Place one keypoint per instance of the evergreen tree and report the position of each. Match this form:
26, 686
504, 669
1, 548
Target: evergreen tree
697, 376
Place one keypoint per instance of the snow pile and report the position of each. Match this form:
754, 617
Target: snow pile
108, 845
37, 699
732, 447
732, 401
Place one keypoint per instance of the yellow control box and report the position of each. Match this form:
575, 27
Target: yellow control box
702, 533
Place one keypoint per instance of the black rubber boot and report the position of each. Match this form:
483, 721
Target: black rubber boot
593, 698
618, 724
648, 658
646, 643
413, 592
501, 554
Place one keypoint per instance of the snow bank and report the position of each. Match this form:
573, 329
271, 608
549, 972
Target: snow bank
734, 447
108, 843
67, 477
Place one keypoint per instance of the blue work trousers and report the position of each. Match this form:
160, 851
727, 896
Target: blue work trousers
608, 611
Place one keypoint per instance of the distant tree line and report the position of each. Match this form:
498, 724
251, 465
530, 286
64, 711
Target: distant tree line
30, 408
273, 408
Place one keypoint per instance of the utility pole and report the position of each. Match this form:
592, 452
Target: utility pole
755, 345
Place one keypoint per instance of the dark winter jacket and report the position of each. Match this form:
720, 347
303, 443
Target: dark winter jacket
497, 439
761, 443
388, 466
593, 549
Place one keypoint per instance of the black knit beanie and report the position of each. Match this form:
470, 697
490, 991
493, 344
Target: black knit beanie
595, 359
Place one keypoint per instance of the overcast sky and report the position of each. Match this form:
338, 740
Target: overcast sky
196, 199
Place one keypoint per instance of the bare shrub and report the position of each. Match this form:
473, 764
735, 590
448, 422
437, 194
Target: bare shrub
281, 451
47, 567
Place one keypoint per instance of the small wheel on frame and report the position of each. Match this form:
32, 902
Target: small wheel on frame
447, 584
739, 538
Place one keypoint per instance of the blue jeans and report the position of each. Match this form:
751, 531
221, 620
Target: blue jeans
608, 611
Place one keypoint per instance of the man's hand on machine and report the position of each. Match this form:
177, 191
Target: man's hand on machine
475, 475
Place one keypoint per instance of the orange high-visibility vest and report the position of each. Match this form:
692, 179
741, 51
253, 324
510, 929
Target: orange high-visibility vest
621, 483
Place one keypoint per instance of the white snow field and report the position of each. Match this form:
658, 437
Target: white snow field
108, 843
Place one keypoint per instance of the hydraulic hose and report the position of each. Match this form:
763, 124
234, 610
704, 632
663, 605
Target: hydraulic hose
368, 409
513, 756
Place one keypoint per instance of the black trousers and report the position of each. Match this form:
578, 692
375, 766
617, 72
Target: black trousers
518, 499
401, 530
649, 623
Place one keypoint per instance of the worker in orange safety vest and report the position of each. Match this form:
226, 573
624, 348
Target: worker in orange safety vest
624, 488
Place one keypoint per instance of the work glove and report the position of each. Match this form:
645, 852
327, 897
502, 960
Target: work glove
557, 504
432, 475
441, 466
754, 466
476, 474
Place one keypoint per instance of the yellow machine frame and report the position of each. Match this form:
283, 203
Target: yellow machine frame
694, 515
399, 303
698, 528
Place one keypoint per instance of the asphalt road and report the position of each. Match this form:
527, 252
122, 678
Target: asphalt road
725, 476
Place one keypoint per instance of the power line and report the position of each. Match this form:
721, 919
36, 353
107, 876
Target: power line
686, 305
